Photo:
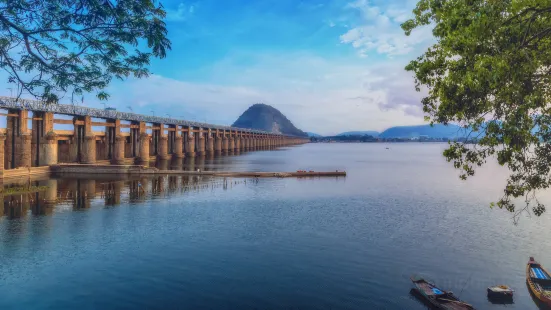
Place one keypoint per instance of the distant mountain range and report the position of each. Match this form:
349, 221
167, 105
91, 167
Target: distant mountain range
449, 131
264, 117
408, 132
360, 133
313, 135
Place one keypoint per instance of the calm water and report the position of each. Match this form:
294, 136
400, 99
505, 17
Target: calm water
273, 244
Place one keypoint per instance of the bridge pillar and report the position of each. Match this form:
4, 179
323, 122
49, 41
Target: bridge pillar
178, 147
11, 137
143, 157
89, 143
118, 158
224, 143
236, 149
49, 147
2, 139
134, 140
231, 146
19, 140
236, 144
190, 147
110, 133
210, 143
218, 143
46, 139
118, 144
89, 150
201, 151
163, 143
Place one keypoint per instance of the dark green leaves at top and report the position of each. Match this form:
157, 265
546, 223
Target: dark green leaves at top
54, 47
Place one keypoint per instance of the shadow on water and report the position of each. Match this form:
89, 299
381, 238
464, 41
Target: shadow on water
501, 301
420, 299
41, 197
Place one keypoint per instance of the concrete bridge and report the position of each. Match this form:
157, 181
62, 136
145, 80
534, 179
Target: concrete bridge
32, 141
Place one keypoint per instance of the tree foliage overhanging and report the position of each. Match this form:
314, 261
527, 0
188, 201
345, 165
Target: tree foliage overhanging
50, 48
490, 71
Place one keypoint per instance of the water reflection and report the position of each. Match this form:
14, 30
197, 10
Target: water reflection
41, 197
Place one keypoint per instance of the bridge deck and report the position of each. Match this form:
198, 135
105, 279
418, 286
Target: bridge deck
75, 110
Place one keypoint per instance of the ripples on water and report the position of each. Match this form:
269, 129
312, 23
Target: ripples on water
331, 243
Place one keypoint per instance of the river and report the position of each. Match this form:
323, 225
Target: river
322, 243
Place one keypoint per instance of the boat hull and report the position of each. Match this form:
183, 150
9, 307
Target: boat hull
493, 294
532, 286
438, 298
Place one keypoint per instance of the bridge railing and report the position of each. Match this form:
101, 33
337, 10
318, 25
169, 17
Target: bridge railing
68, 109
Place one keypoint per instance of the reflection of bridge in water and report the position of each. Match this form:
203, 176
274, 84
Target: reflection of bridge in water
46, 195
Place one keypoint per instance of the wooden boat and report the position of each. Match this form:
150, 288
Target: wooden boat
539, 281
500, 292
437, 297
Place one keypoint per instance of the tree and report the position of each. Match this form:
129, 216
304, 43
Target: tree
57, 47
490, 71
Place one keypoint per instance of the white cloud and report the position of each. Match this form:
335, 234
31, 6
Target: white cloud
181, 13
315, 94
378, 29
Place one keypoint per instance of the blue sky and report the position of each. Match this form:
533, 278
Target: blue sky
330, 66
